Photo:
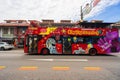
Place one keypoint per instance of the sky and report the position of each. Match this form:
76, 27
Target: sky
106, 10
108, 14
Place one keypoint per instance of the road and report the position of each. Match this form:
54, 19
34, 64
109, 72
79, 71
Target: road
15, 65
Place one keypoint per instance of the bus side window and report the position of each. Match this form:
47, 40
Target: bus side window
96, 38
88, 40
80, 40
74, 39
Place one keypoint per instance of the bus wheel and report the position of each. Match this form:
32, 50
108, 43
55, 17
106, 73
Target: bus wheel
45, 51
92, 52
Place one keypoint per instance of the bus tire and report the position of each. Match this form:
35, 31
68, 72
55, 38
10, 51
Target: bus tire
45, 51
92, 52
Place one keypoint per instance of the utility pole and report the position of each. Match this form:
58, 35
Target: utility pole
81, 13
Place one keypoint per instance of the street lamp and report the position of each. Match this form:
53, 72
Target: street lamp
81, 13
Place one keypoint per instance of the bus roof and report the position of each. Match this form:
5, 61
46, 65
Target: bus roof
94, 25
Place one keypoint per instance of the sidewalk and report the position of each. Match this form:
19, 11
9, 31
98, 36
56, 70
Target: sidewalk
18, 49
115, 54
13, 50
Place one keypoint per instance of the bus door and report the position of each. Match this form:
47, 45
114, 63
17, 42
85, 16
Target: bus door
32, 44
67, 45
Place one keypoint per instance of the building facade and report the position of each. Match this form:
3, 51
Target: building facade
12, 29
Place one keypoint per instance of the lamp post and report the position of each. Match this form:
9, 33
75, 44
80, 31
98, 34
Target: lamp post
87, 8
81, 13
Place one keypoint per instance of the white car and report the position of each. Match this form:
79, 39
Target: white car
5, 46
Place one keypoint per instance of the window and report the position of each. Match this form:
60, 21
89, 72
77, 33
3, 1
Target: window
96, 38
80, 40
1, 43
11, 30
77, 39
88, 39
5, 30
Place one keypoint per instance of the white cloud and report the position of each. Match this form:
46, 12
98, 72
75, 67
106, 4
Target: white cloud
47, 9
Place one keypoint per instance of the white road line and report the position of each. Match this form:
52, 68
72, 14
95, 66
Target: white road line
76, 60
69, 60
11, 51
41, 59
10, 55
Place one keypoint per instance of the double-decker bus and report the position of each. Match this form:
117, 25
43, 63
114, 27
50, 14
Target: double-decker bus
70, 40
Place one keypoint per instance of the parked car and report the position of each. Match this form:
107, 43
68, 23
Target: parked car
5, 46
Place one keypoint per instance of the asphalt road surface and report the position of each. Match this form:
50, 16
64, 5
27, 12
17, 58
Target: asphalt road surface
15, 65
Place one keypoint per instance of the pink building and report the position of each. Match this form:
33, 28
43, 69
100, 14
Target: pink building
12, 29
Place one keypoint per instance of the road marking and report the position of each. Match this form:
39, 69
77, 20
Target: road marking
42, 59
28, 68
11, 51
76, 60
10, 55
2, 67
60, 68
69, 60
92, 68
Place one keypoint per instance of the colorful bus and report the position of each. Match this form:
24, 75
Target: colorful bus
70, 40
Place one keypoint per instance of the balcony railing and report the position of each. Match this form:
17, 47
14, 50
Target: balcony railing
8, 35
